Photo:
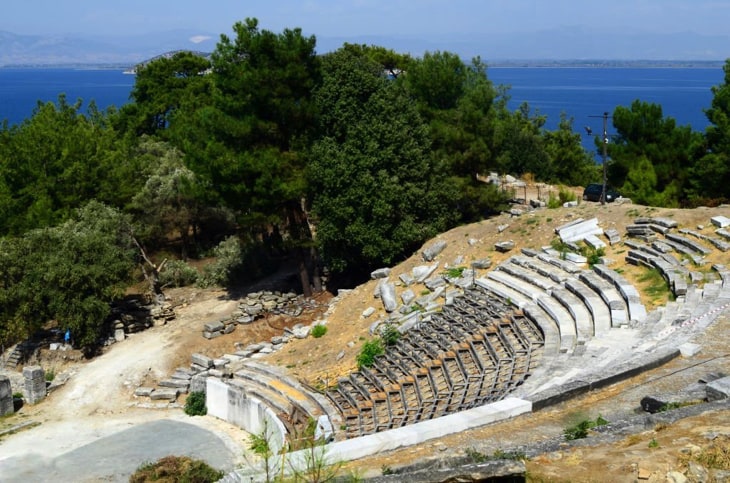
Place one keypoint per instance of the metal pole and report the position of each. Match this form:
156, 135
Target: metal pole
605, 147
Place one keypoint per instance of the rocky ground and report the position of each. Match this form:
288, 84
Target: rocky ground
98, 398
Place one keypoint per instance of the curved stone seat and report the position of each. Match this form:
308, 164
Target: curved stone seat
609, 294
631, 296
528, 275
579, 312
285, 394
550, 276
542, 267
691, 245
598, 307
548, 326
522, 293
718, 243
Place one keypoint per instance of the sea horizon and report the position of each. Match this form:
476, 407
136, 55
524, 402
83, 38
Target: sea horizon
581, 91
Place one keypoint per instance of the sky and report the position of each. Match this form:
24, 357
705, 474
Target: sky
598, 22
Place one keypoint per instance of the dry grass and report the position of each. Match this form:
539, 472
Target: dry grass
715, 456
172, 469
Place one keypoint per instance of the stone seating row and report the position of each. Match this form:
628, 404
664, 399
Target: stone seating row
718, 243
473, 352
559, 295
294, 403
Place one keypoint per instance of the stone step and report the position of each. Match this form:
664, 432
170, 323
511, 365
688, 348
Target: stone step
631, 296
610, 295
598, 308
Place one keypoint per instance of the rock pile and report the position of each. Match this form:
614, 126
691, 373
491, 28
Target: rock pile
255, 306
134, 317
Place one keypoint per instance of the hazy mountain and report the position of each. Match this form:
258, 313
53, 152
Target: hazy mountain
74, 49
560, 44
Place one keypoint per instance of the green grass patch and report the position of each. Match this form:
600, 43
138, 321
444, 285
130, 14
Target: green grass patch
370, 350
454, 272
580, 430
654, 286
319, 330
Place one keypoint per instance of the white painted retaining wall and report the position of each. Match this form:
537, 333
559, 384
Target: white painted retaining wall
230, 402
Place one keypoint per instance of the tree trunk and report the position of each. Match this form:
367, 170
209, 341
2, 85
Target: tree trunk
303, 272
153, 275
316, 275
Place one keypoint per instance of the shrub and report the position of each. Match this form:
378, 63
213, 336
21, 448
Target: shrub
50, 375
390, 334
176, 468
593, 255
178, 273
319, 330
565, 195
370, 350
228, 257
195, 404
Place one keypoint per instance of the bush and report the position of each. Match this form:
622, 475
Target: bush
564, 195
370, 350
176, 468
228, 258
390, 335
177, 273
195, 404
593, 255
319, 330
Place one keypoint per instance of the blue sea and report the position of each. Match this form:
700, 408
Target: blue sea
581, 92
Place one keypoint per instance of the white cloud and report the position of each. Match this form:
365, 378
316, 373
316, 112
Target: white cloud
196, 39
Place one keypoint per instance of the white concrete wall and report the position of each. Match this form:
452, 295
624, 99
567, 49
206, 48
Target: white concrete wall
230, 403
355, 448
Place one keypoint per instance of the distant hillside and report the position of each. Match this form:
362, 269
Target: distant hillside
38, 50
517, 48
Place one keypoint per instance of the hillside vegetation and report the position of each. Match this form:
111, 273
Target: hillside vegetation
266, 154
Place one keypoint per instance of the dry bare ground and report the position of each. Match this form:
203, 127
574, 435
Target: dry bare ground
98, 398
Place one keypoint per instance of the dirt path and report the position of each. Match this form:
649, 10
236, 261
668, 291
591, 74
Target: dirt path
98, 399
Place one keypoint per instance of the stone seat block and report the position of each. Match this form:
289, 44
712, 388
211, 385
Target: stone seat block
565, 322
168, 394
578, 311
174, 383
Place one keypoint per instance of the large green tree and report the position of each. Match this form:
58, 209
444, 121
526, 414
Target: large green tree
645, 135
58, 160
69, 273
710, 176
247, 144
164, 88
461, 107
374, 195
569, 163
